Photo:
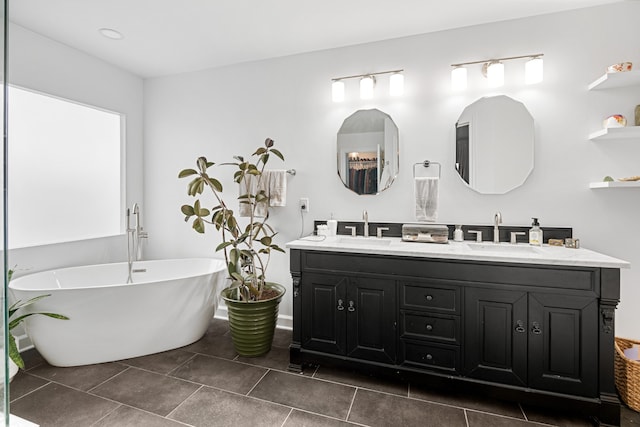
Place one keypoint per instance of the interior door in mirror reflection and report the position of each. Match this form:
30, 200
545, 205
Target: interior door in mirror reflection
494, 144
367, 148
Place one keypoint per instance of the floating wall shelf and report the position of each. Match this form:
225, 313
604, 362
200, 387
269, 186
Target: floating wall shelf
613, 80
615, 184
627, 132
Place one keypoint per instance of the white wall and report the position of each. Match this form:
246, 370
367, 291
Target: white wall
231, 110
41, 64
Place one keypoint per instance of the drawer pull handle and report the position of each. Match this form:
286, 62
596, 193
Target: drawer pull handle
428, 357
351, 307
536, 328
429, 328
520, 326
340, 306
428, 297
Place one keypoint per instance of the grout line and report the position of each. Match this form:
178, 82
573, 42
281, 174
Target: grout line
32, 391
287, 418
107, 414
181, 403
466, 418
523, 413
353, 399
257, 382
170, 373
108, 379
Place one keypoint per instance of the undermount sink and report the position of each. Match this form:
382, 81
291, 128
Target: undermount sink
503, 248
365, 241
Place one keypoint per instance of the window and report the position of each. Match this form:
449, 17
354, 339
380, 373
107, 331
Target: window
65, 170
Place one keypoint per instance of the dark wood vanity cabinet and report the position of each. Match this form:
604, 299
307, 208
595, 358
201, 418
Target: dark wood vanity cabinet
541, 334
349, 316
544, 341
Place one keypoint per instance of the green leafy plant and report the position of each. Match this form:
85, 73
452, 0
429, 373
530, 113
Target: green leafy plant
14, 354
247, 249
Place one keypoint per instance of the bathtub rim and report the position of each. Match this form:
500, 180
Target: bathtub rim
216, 265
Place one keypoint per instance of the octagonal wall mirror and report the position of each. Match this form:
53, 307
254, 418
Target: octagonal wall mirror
368, 151
494, 145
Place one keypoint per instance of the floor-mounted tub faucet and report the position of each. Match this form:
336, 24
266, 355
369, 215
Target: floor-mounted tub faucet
134, 236
497, 220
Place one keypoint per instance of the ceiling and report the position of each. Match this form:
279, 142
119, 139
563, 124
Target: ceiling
163, 37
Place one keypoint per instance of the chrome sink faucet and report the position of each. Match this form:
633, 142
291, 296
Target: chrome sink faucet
365, 217
497, 219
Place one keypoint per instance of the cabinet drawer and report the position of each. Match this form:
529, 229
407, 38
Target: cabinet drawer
431, 327
442, 299
433, 356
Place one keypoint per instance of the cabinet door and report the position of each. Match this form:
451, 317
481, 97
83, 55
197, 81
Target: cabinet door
371, 319
563, 343
324, 309
495, 344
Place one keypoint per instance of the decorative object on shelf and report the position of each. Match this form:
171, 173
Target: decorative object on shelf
620, 67
630, 179
637, 113
607, 179
493, 70
252, 301
614, 121
367, 84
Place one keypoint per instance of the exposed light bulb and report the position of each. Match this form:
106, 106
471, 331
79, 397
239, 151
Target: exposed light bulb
396, 84
366, 87
533, 71
495, 74
459, 78
337, 91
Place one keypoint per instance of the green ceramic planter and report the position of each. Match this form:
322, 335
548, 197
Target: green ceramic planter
253, 323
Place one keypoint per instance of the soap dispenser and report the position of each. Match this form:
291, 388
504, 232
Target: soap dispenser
457, 234
535, 233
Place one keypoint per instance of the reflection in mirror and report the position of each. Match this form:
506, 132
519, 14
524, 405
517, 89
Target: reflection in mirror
494, 144
368, 151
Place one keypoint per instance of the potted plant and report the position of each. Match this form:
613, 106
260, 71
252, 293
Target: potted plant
251, 300
15, 359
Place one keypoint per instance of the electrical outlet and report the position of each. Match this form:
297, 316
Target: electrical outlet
304, 204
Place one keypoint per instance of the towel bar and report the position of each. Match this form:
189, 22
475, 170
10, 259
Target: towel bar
426, 164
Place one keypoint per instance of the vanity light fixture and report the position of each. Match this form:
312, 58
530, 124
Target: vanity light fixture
337, 91
459, 78
367, 84
493, 70
495, 73
533, 70
396, 84
366, 87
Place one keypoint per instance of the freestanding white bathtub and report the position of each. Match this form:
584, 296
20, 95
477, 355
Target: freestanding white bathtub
167, 306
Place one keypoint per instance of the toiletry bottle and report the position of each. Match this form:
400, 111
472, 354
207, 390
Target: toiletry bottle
333, 226
535, 234
457, 234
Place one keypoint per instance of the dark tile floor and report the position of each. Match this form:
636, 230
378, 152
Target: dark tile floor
207, 384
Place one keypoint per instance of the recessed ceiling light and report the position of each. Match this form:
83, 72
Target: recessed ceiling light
111, 33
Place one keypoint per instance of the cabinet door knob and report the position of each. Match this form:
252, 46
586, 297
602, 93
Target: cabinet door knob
536, 328
340, 306
428, 297
351, 306
429, 328
427, 357
520, 326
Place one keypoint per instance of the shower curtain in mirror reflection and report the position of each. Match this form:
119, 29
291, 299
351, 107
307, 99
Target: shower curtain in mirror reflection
426, 198
363, 176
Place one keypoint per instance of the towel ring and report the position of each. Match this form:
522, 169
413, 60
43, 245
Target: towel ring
426, 164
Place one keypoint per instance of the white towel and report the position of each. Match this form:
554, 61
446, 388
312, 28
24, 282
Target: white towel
277, 187
252, 184
426, 195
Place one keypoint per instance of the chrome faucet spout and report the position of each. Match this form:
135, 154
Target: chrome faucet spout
497, 220
365, 217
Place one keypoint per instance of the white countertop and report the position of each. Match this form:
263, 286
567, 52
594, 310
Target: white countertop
485, 251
